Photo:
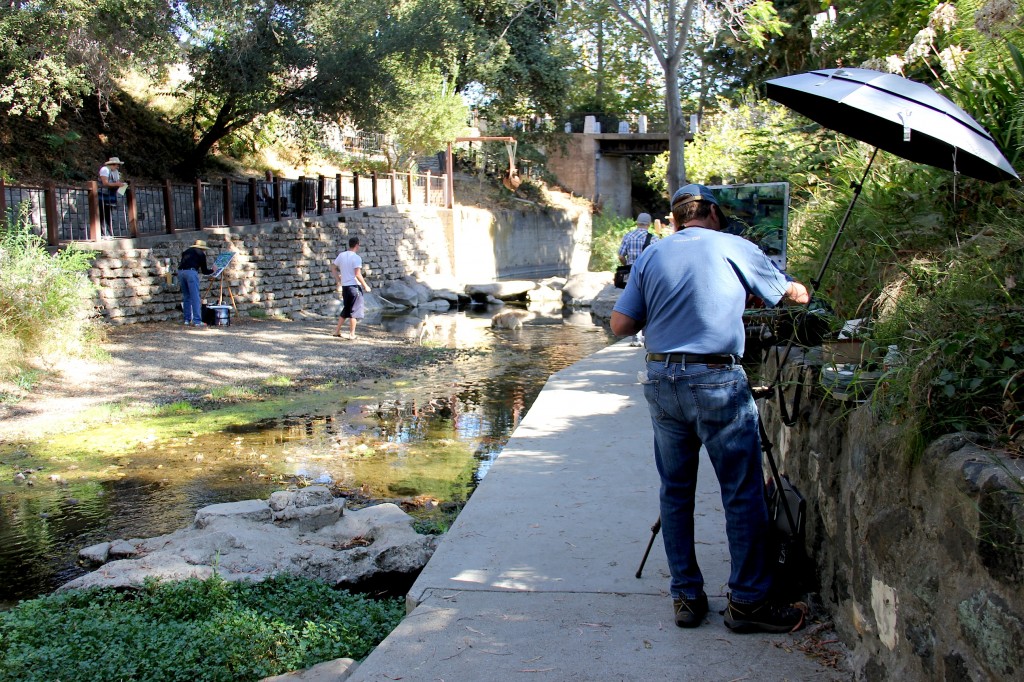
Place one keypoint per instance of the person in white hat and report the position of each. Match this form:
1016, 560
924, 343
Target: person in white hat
110, 182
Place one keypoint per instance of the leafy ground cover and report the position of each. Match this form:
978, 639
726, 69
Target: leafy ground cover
193, 630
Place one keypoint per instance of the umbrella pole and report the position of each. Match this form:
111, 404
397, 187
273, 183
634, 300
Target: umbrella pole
857, 187
787, 418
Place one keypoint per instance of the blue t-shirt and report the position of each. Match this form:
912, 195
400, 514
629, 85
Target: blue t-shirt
690, 289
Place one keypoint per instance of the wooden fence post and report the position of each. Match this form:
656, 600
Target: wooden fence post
251, 200
92, 187
373, 187
320, 187
337, 192
408, 187
300, 201
426, 188
394, 188
50, 201
133, 216
3, 200
229, 213
355, 190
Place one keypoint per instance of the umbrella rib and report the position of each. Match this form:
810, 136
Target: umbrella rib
975, 127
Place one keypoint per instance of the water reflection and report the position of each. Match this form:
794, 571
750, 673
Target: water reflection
433, 433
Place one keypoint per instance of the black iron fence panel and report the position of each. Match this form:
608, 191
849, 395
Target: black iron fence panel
28, 202
61, 214
150, 215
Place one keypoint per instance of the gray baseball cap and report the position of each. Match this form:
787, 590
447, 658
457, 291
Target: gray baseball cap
693, 192
643, 219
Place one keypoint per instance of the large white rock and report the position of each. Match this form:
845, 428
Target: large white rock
302, 532
582, 288
422, 290
436, 305
512, 290
602, 304
544, 294
398, 293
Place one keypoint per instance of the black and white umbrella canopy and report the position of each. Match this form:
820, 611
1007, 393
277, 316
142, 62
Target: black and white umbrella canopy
901, 116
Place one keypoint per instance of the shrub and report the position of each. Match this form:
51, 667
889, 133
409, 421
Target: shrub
957, 316
607, 236
44, 298
192, 630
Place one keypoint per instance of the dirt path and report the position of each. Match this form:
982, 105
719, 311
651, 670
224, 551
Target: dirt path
164, 362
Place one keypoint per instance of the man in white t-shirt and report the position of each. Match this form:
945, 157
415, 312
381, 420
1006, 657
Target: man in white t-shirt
347, 271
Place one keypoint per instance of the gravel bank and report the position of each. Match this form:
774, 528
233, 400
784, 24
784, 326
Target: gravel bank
164, 362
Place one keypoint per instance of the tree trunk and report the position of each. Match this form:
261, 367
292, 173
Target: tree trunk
599, 94
676, 130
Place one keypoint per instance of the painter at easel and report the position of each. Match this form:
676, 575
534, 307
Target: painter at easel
193, 261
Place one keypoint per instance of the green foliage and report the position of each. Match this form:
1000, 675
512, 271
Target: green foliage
607, 236
54, 53
436, 520
429, 115
995, 98
753, 141
190, 630
959, 319
762, 22
44, 298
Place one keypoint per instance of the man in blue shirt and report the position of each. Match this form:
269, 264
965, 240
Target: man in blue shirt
688, 293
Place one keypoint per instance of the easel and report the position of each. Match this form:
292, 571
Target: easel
219, 266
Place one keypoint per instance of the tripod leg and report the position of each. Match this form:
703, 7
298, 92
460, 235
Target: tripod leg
654, 533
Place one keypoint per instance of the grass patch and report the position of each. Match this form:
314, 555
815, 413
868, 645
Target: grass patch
180, 407
278, 382
232, 393
190, 630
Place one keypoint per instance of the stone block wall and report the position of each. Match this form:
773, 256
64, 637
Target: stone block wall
282, 268
921, 562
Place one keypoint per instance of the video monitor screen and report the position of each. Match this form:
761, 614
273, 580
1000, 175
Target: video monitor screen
759, 212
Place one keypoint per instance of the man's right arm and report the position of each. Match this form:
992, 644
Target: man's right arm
337, 273
359, 278
797, 293
624, 325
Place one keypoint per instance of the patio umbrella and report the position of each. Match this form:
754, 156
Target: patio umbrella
901, 116
892, 113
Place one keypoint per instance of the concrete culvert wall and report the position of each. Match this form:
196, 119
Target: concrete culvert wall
282, 268
921, 563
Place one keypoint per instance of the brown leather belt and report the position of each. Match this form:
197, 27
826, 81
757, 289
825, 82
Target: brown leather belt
689, 359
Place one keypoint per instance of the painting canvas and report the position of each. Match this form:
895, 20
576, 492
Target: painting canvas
759, 212
221, 262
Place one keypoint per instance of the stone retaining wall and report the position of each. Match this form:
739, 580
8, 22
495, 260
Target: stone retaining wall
921, 563
282, 268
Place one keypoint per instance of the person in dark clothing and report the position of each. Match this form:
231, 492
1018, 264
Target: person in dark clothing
193, 261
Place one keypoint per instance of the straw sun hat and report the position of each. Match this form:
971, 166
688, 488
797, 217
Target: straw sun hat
200, 244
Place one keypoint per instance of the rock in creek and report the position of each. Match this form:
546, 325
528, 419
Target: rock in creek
306, 532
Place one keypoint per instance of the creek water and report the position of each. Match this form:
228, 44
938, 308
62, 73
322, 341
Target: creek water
430, 433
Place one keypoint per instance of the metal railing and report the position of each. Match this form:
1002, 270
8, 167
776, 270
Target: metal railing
62, 214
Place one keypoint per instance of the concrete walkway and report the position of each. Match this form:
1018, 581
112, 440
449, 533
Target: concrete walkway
536, 579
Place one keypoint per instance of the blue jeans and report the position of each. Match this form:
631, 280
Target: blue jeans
190, 304
693, 405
